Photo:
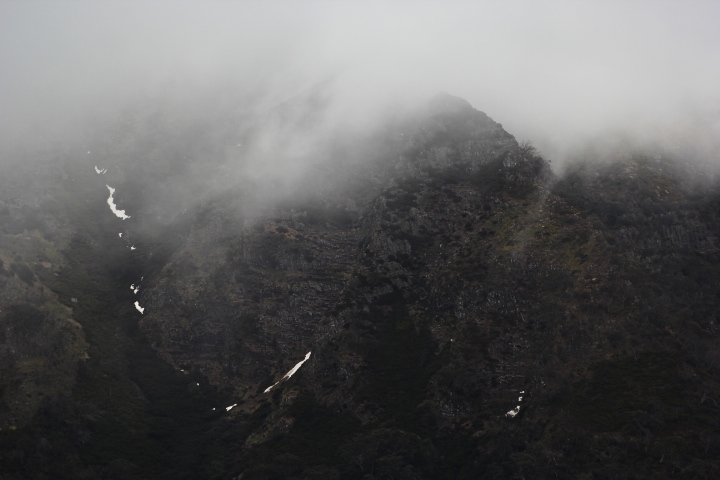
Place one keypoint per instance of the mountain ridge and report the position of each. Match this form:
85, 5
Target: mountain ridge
448, 279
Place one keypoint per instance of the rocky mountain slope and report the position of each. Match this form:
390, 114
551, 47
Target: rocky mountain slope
468, 313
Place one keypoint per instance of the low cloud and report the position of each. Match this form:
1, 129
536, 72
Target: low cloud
558, 74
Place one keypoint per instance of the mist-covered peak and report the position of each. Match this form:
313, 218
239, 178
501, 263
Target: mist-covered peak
445, 103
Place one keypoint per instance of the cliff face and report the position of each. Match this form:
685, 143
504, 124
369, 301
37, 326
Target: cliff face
468, 314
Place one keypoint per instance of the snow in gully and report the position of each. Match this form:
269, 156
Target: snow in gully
122, 215
113, 207
515, 410
290, 373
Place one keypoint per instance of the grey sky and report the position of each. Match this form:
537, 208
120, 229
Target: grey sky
555, 73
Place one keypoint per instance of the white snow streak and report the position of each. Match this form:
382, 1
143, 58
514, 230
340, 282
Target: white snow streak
139, 308
230, 407
296, 367
271, 387
100, 172
513, 412
118, 213
290, 373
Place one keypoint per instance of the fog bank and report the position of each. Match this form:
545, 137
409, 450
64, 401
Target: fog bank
555, 73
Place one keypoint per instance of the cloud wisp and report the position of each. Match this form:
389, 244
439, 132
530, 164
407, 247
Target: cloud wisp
555, 73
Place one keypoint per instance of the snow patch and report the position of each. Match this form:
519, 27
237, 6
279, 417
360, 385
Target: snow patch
297, 367
135, 290
230, 407
133, 248
113, 207
515, 410
100, 172
271, 387
120, 234
290, 373
139, 308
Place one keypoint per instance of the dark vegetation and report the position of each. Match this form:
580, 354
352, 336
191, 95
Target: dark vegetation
23, 272
473, 280
130, 414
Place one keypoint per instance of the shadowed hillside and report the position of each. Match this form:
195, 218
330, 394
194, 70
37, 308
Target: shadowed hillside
469, 314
